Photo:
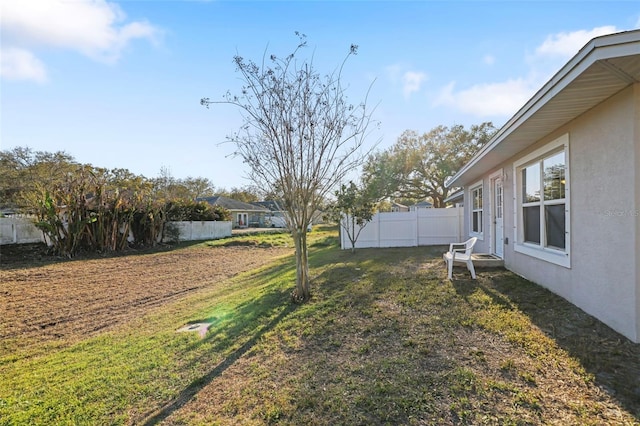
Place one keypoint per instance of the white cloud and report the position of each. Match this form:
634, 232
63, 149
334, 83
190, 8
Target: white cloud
94, 28
566, 45
20, 64
489, 99
506, 97
412, 81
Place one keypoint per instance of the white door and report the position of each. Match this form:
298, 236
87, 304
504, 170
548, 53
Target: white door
242, 220
498, 240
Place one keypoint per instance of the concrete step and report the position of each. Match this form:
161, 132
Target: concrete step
486, 260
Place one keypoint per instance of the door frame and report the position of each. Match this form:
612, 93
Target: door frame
494, 244
242, 219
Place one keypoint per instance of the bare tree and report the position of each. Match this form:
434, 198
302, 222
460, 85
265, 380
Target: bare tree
300, 137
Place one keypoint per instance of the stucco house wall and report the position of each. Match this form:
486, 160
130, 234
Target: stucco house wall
602, 279
603, 213
601, 273
604, 168
636, 197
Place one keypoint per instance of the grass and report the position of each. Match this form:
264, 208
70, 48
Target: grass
385, 340
143, 364
260, 239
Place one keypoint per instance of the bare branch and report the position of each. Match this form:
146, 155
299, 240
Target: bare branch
300, 135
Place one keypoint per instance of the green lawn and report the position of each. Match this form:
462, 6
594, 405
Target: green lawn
386, 339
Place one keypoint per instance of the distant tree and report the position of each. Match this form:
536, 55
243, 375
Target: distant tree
86, 211
195, 211
418, 166
169, 188
300, 135
246, 194
23, 171
85, 208
383, 206
124, 180
198, 187
353, 210
383, 174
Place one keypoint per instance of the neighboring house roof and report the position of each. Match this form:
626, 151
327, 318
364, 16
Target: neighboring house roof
456, 197
602, 68
422, 204
270, 205
402, 206
231, 204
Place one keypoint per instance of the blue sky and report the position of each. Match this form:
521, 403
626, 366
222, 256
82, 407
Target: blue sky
118, 83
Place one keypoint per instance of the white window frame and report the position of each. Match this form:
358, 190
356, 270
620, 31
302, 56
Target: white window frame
553, 255
472, 189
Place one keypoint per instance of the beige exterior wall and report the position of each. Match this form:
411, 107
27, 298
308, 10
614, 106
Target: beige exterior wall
604, 166
636, 195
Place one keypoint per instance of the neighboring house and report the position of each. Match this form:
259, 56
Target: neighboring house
271, 205
455, 200
275, 216
397, 207
243, 215
420, 205
556, 192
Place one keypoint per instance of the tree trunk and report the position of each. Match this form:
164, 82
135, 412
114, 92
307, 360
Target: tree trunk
303, 290
352, 234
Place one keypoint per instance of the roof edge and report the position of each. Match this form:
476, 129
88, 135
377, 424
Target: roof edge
585, 57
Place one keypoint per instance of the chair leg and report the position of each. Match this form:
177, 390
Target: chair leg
450, 268
471, 269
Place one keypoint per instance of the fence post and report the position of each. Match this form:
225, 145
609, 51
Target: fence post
417, 234
460, 220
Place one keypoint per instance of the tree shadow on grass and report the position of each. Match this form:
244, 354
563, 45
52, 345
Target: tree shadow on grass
247, 319
612, 359
230, 326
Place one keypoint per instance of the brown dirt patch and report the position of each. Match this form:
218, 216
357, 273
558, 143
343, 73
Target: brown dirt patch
71, 300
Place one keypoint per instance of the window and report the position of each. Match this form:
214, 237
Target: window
542, 203
476, 211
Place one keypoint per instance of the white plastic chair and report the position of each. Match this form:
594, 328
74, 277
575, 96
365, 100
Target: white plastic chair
461, 255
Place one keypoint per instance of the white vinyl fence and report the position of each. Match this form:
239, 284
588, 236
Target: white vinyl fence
423, 227
199, 231
21, 230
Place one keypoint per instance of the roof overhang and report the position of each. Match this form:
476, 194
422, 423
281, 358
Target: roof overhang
456, 196
603, 67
